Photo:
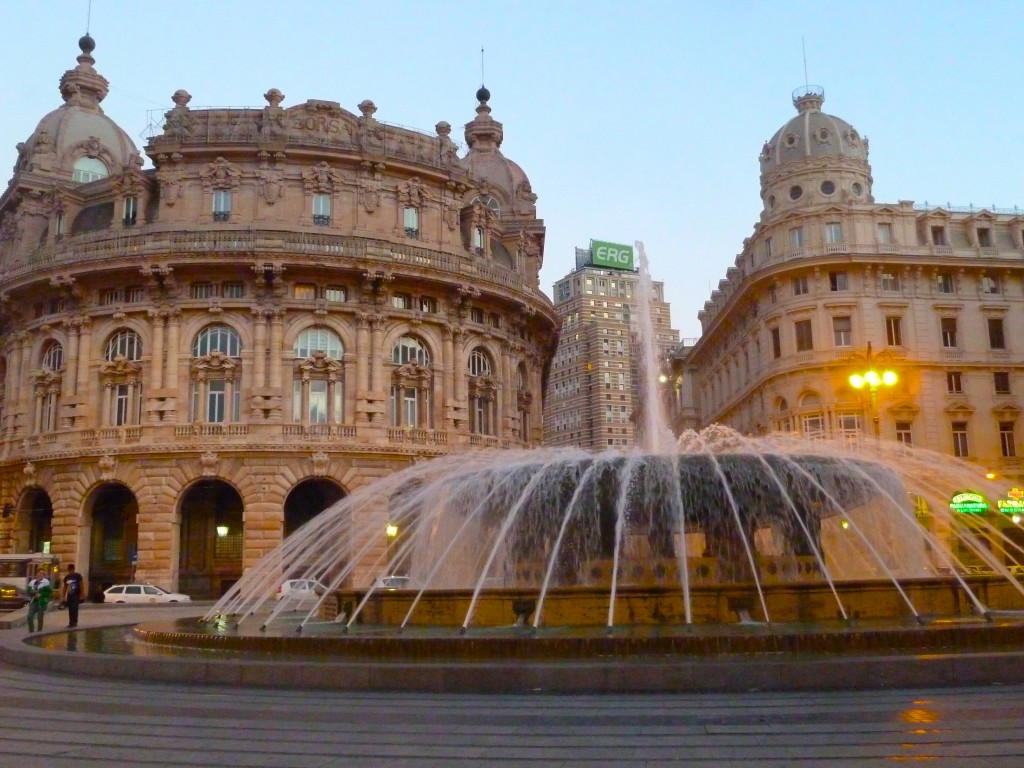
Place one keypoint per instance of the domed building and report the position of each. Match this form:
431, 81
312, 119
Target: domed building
833, 284
293, 301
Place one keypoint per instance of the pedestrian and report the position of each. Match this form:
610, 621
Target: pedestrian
72, 594
39, 591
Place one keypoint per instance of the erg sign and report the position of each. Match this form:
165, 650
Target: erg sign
613, 255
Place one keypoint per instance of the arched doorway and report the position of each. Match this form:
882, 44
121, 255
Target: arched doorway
212, 539
307, 500
113, 537
33, 525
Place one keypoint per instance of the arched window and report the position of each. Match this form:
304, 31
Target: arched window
483, 393
409, 349
216, 375
124, 343
318, 383
46, 385
88, 169
121, 378
53, 356
411, 384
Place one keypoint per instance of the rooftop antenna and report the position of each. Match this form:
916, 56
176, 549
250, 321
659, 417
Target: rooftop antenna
803, 47
482, 79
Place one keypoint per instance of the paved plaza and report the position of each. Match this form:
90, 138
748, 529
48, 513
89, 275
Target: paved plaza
59, 721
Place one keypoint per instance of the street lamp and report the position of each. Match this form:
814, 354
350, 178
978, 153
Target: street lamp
873, 379
391, 531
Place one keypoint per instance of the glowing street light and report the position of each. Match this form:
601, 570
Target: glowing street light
873, 380
391, 531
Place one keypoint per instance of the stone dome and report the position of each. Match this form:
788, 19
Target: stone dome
814, 157
78, 131
485, 161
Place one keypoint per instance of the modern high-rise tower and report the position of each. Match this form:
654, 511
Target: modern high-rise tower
594, 384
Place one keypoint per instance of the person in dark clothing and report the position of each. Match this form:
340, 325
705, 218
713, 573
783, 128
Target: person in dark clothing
72, 594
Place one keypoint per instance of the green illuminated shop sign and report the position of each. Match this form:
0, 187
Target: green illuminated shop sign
969, 503
611, 255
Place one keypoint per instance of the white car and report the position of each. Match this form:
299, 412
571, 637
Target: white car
300, 589
142, 593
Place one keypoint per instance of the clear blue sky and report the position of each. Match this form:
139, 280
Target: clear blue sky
634, 120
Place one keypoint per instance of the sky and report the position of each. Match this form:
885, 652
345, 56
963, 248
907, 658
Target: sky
635, 121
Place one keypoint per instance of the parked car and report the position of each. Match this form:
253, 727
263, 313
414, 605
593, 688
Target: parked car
300, 589
142, 593
12, 597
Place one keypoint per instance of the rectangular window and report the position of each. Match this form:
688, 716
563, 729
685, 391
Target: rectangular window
1001, 380
776, 344
133, 294
944, 282
111, 296
305, 291
989, 285
996, 339
401, 301
800, 286
804, 337
796, 238
948, 325
1007, 443
321, 210
837, 281
833, 232
954, 382
131, 209
119, 406
221, 204
60, 226
773, 294
842, 331
813, 425
476, 315
428, 304
234, 290
938, 235
848, 424
890, 281
767, 247
884, 233
984, 237
494, 320
893, 331
336, 293
960, 448
903, 433
204, 290
411, 218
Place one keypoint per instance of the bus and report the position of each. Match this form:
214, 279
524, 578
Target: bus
17, 570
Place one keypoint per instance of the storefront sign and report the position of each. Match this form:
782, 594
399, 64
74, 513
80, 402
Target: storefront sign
969, 503
1013, 504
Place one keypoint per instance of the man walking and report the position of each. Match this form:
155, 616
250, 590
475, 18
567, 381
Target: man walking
39, 591
72, 594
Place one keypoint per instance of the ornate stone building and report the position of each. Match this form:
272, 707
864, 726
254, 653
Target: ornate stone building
200, 356
832, 282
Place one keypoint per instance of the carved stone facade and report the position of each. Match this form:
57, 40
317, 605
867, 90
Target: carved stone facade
830, 276
200, 356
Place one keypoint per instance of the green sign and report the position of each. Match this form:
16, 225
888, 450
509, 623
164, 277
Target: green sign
969, 503
611, 255
1013, 504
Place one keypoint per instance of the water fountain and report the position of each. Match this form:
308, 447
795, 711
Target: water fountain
711, 541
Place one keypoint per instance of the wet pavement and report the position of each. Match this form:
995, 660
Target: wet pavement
104, 722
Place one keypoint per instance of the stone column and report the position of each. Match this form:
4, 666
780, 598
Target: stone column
276, 341
259, 353
376, 339
71, 366
362, 353
156, 366
25, 410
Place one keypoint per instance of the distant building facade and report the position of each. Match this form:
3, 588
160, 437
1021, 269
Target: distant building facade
200, 356
594, 388
831, 278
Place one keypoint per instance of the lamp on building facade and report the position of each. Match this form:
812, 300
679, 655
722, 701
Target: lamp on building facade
391, 531
873, 379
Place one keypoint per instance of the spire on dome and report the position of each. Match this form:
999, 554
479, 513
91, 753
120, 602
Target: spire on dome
83, 86
483, 132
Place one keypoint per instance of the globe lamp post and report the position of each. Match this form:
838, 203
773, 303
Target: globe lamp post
874, 380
